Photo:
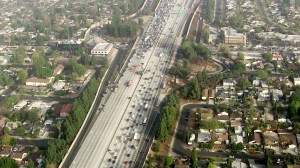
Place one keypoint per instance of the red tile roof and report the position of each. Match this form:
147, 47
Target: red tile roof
66, 108
62, 108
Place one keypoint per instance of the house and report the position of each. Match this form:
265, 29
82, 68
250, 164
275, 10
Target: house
237, 163
211, 93
263, 95
238, 129
37, 81
2, 121
206, 114
11, 125
277, 94
62, 109
223, 117
20, 105
264, 84
19, 156
271, 140
59, 85
236, 118
204, 136
296, 81
288, 141
102, 49
229, 82
221, 137
268, 115
58, 69
5, 151
277, 57
65, 110
256, 138
236, 139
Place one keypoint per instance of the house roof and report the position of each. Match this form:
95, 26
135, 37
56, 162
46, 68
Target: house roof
17, 155
277, 56
236, 139
66, 108
288, 138
2, 121
222, 117
270, 137
38, 80
62, 108
257, 137
5, 151
58, 68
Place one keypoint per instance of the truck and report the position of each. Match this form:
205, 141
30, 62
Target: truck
129, 83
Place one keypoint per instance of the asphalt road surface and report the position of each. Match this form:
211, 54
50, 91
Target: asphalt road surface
118, 132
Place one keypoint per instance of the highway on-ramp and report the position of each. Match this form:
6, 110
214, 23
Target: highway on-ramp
122, 123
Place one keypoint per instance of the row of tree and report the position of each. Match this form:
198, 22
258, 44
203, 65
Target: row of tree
121, 28
193, 51
180, 71
70, 127
169, 115
210, 10
193, 89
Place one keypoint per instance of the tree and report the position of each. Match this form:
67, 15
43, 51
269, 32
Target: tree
94, 60
235, 147
248, 127
267, 56
210, 124
5, 80
194, 158
10, 101
224, 49
156, 147
13, 141
237, 21
6, 139
249, 101
240, 56
44, 72
32, 116
105, 62
244, 83
39, 39
22, 75
140, 21
206, 33
8, 162
30, 164
18, 55
20, 131
263, 74
168, 161
238, 68
294, 104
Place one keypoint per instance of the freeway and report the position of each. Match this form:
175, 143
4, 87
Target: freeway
121, 124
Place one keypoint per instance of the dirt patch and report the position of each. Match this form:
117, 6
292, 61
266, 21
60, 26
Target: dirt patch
164, 151
201, 65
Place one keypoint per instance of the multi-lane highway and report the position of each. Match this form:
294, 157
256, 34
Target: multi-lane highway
122, 122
